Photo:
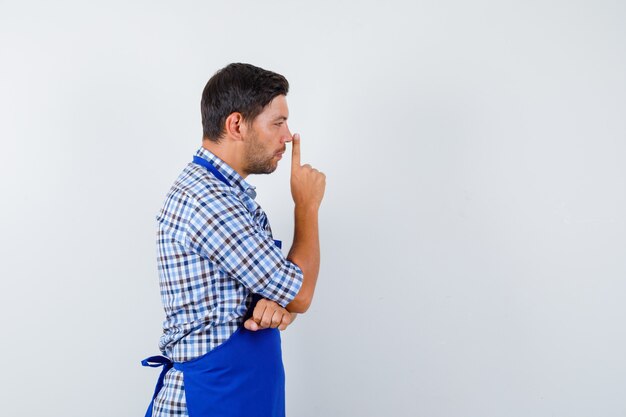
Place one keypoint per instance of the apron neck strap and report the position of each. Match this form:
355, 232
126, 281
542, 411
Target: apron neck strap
208, 165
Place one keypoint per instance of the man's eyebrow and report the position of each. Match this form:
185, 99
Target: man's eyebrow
280, 118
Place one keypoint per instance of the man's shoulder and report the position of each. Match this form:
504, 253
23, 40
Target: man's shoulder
195, 189
196, 183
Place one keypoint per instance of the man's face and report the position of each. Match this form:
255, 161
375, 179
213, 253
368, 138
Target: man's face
266, 138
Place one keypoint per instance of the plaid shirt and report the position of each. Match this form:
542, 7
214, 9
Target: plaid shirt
215, 249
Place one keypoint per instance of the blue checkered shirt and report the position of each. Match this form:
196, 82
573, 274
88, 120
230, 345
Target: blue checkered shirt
215, 250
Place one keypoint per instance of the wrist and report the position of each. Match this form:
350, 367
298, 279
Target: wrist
306, 208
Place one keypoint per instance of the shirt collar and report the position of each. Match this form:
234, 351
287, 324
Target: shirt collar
236, 180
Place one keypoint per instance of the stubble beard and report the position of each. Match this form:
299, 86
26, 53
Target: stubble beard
256, 160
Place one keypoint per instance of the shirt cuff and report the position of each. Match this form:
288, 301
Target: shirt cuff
284, 284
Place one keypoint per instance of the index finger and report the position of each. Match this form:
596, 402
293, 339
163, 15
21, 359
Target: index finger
295, 150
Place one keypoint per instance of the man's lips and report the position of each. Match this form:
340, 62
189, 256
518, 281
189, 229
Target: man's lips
279, 154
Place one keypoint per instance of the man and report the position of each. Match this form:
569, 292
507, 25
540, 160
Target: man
227, 289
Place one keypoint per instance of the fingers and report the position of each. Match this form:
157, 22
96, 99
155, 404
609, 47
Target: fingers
287, 319
295, 151
271, 318
259, 311
268, 314
251, 325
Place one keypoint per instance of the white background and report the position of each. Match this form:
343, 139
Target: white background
473, 229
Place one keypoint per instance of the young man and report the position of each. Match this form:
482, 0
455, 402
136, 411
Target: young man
227, 289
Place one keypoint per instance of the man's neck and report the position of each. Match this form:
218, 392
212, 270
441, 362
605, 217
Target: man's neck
227, 152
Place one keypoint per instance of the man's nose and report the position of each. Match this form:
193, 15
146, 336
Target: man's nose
289, 136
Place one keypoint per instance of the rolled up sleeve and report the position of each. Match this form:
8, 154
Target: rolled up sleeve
223, 230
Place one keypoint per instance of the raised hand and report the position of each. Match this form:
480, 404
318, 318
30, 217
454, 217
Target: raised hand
307, 183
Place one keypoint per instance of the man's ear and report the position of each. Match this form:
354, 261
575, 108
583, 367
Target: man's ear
235, 126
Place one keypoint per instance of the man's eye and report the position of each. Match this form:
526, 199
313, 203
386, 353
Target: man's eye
279, 124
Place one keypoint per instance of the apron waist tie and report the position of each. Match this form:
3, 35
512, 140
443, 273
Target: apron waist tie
155, 362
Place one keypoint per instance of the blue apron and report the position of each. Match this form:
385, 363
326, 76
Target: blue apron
244, 376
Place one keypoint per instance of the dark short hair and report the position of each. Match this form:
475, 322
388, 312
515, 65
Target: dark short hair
241, 88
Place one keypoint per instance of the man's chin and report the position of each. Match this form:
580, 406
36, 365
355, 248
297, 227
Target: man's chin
271, 167
266, 170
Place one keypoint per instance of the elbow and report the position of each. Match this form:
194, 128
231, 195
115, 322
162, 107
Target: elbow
300, 304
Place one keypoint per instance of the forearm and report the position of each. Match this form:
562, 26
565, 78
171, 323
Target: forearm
305, 252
